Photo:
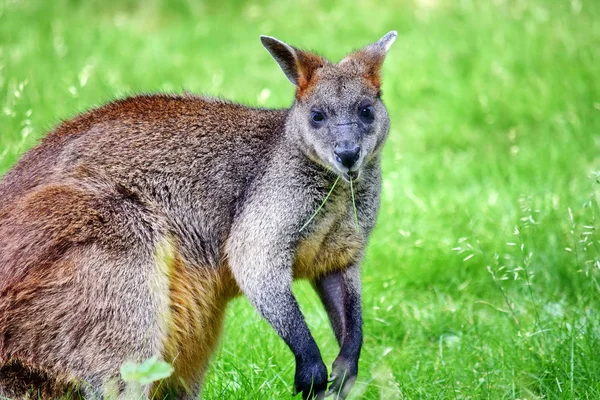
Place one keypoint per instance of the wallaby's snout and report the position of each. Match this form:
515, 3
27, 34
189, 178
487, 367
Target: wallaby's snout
347, 154
346, 147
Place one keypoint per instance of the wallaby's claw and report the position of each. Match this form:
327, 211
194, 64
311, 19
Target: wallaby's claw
311, 380
342, 379
340, 388
319, 396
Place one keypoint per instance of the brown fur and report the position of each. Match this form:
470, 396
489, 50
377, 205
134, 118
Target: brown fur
369, 65
55, 204
307, 64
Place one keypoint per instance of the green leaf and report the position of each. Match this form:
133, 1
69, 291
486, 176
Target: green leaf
147, 372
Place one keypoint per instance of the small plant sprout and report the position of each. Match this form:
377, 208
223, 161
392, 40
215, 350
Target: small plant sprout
149, 371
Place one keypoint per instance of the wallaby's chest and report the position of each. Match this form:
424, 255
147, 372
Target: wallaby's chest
333, 243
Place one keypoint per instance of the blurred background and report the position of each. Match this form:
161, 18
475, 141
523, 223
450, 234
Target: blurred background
482, 276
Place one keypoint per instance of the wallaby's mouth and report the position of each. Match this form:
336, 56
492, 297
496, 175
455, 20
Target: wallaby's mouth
346, 159
349, 175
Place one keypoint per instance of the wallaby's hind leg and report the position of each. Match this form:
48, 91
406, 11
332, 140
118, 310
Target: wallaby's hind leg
86, 322
85, 296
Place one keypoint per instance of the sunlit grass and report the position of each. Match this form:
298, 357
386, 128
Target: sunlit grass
482, 276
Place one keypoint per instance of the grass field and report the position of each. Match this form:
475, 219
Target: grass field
482, 278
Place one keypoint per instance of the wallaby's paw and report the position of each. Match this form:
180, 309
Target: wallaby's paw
311, 380
343, 376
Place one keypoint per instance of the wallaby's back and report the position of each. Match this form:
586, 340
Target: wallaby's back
153, 132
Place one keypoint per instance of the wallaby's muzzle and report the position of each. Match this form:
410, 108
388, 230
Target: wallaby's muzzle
347, 149
347, 154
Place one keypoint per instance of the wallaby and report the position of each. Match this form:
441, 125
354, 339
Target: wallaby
126, 231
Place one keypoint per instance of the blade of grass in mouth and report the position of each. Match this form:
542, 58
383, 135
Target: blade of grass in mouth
354, 205
321, 206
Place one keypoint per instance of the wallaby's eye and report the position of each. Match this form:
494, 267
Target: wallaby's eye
366, 112
317, 118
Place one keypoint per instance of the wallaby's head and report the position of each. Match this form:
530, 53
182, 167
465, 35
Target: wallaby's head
338, 117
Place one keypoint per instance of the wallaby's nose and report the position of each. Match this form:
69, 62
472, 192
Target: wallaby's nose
347, 155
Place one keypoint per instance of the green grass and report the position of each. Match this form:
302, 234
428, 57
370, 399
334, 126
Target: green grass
482, 276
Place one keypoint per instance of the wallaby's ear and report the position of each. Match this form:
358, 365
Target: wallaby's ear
371, 57
299, 66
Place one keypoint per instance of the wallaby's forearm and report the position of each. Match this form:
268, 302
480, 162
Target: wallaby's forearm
281, 310
279, 307
284, 315
340, 294
342, 303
